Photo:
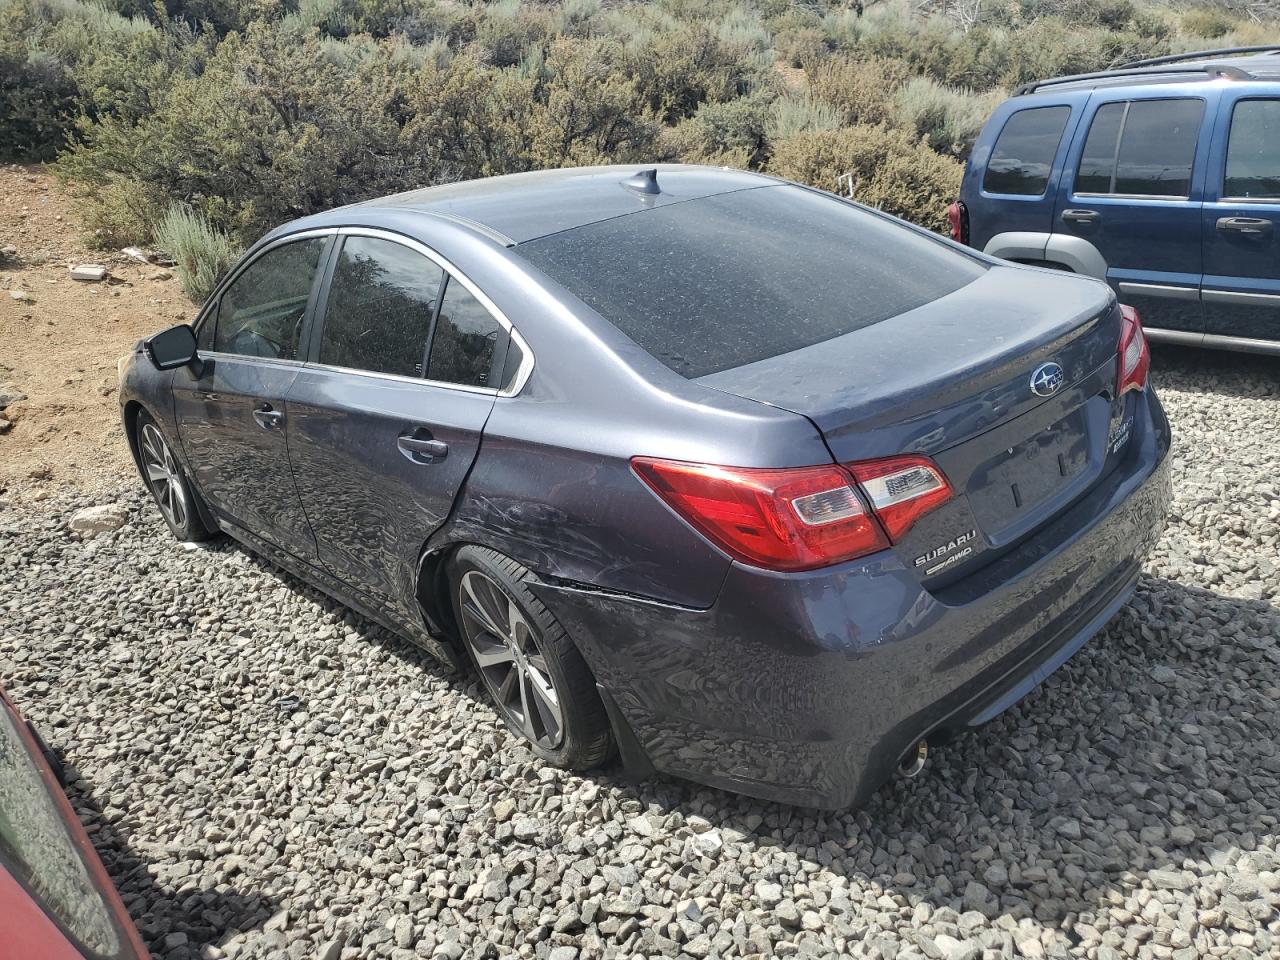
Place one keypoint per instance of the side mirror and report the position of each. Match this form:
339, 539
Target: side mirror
173, 348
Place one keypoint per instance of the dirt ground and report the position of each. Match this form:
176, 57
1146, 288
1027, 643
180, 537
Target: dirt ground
60, 347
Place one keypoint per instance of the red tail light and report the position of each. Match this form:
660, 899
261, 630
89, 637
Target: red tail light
1135, 356
798, 518
902, 490
958, 219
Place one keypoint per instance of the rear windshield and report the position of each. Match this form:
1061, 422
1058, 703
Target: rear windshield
724, 281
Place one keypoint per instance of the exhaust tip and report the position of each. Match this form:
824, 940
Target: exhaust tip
913, 760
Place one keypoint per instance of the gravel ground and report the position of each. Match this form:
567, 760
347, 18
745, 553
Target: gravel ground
267, 774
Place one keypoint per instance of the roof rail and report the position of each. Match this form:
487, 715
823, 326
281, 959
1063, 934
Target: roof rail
1208, 69
1201, 54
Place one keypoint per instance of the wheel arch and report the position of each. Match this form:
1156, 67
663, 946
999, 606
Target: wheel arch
1057, 250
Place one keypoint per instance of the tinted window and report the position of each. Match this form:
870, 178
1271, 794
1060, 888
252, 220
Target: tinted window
379, 309
1098, 162
1023, 155
1157, 144
37, 848
465, 346
711, 284
260, 315
1253, 151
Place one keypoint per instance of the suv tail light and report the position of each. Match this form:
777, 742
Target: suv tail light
1135, 355
958, 218
798, 518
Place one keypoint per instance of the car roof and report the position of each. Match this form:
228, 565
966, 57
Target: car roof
1195, 68
518, 207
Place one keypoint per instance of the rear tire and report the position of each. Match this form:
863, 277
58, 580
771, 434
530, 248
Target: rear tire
168, 483
534, 674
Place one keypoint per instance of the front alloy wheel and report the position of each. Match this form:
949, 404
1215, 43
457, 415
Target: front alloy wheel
167, 483
164, 476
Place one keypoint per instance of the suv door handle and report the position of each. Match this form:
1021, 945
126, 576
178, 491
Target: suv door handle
268, 419
421, 447
1080, 216
1252, 226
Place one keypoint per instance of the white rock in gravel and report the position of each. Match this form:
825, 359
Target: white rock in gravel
136, 253
92, 272
100, 519
22, 296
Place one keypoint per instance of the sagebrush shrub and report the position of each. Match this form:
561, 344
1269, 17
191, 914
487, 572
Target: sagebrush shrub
888, 168
202, 252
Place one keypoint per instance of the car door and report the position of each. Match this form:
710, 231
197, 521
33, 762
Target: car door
386, 420
230, 407
1241, 227
1136, 197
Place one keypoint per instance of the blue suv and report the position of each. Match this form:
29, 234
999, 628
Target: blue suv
1161, 178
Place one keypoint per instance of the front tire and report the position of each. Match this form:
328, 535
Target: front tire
536, 677
164, 477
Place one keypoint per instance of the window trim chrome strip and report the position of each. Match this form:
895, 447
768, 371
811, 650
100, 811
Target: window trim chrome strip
1164, 290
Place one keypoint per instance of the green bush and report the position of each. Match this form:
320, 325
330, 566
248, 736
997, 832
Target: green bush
862, 89
889, 170
949, 120
1207, 22
203, 253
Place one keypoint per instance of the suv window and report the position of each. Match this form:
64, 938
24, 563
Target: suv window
1141, 148
1253, 151
260, 314
710, 284
379, 309
1023, 155
465, 346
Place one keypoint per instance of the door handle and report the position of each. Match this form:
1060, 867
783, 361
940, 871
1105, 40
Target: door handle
421, 447
1080, 216
267, 418
1250, 226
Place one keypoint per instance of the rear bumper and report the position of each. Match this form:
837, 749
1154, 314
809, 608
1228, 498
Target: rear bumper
808, 688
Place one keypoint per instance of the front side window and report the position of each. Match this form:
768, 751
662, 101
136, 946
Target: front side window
1253, 151
261, 313
379, 310
1141, 148
1023, 155
468, 342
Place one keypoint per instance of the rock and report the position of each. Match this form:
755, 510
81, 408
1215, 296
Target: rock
563, 953
100, 519
91, 272
22, 296
768, 895
10, 394
5, 426
503, 809
526, 828
136, 253
160, 275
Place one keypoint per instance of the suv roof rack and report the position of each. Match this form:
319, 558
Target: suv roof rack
1165, 67
1201, 54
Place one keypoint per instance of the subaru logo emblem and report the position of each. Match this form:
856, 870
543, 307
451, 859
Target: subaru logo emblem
1047, 379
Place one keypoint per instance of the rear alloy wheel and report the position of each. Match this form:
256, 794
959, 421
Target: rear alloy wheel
535, 675
167, 483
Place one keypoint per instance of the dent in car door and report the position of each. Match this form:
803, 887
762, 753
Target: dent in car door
380, 452
1133, 190
230, 409
1241, 228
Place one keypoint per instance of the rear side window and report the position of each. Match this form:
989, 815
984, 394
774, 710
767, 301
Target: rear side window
469, 343
1142, 148
711, 284
260, 314
380, 304
1023, 155
1253, 151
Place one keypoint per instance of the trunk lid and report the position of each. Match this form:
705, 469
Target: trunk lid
952, 380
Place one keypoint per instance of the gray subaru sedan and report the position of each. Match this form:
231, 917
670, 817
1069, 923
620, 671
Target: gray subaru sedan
738, 479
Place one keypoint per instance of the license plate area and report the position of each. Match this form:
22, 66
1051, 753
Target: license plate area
1019, 485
